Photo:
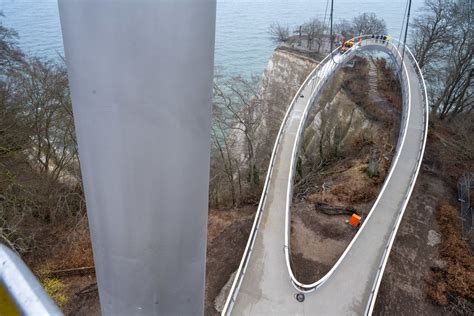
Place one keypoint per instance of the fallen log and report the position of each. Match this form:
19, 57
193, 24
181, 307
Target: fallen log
334, 209
72, 272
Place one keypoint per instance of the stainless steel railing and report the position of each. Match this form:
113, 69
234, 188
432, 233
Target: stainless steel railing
22, 286
318, 78
301, 287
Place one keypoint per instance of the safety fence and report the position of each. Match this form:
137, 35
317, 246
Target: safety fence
465, 188
318, 78
367, 44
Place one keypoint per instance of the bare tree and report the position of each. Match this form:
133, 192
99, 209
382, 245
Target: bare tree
315, 31
10, 54
344, 28
457, 95
431, 31
368, 23
37, 146
443, 42
237, 116
279, 33
44, 94
363, 24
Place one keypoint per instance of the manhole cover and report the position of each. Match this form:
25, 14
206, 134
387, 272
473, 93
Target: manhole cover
300, 297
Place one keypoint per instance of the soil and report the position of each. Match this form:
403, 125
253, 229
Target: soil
74, 251
228, 232
402, 290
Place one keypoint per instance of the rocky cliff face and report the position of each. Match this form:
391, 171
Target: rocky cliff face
283, 76
285, 72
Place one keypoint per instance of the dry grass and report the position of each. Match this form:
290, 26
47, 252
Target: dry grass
389, 84
457, 276
228, 231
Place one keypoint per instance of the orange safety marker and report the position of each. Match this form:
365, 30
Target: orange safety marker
355, 220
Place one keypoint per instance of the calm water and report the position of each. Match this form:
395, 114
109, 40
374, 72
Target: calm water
242, 42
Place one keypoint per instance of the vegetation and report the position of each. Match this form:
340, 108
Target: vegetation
443, 44
235, 165
455, 280
363, 24
279, 33
55, 289
40, 180
315, 32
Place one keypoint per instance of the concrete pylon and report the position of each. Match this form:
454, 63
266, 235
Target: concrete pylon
141, 82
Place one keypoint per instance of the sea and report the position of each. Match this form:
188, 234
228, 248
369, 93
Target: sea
243, 45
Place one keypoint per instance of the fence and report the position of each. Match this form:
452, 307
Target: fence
465, 186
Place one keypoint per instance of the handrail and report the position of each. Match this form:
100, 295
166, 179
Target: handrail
388, 248
305, 288
248, 248
23, 287
250, 243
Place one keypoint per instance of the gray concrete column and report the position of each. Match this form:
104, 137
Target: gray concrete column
141, 81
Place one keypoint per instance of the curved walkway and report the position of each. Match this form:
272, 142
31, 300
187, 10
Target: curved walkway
263, 285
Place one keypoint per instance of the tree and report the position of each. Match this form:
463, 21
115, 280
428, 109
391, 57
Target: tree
39, 177
431, 31
43, 91
363, 24
368, 23
344, 28
10, 54
279, 33
443, 41
457, 94
237, 116
315, 31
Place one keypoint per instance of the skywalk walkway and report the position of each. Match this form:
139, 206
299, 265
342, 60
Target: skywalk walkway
264, 284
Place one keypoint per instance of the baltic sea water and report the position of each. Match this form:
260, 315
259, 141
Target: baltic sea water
243, 45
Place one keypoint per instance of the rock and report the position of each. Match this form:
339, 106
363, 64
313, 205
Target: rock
219, 302
434, 238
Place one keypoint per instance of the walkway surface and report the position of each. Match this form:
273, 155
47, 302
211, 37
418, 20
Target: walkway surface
266, 287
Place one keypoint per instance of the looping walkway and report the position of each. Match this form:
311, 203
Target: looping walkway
265, 284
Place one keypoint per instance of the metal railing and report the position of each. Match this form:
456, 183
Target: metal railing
305, 288
22, 286
465, 185
318, 78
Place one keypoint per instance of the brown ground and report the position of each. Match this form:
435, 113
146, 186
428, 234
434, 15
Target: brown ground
455, 278
228, 231
72, 251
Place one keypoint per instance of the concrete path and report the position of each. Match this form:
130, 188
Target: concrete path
266, 288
